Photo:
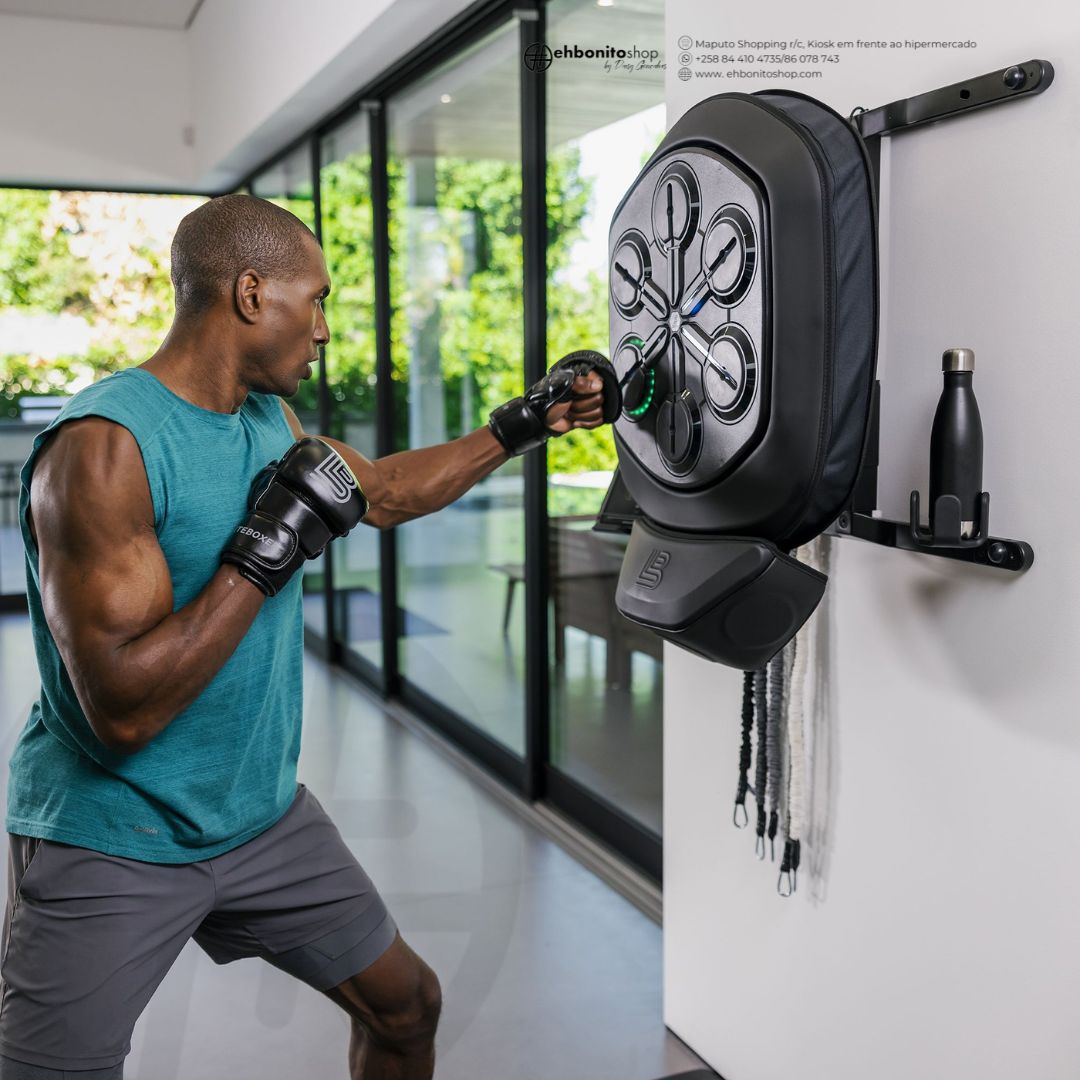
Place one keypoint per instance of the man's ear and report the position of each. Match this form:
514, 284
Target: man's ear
248, 295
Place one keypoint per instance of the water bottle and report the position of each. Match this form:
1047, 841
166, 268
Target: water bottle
956, 440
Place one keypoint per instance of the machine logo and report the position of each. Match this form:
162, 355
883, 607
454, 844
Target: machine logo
652, 571
339, 476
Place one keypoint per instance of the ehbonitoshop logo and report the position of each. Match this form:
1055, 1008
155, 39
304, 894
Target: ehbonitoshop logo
538, 56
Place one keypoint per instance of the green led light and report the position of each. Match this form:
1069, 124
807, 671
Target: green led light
649, 393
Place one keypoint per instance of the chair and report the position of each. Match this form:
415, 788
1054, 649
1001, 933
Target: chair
584, 571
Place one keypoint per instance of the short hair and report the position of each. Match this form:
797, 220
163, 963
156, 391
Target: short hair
227, 235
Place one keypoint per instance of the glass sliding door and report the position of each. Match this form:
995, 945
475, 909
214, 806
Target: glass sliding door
606, 672
347, 232
289, 184
456, 295
84, 291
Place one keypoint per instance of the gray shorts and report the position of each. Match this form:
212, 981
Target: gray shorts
88, 936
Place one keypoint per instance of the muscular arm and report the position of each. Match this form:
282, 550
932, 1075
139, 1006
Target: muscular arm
107, 593
411, 483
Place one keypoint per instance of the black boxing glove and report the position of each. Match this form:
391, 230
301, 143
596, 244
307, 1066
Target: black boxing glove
298, 505
520, 424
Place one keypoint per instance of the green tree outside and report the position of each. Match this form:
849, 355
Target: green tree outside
98, 258
104, 258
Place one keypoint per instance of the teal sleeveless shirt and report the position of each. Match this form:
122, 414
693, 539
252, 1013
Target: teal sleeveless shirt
224, 769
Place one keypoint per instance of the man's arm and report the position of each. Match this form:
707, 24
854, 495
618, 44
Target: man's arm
411, 483
107, 593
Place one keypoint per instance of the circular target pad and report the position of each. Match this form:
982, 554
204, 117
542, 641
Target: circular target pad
729, 374
729, 254
630, 269
678, 432
676, 207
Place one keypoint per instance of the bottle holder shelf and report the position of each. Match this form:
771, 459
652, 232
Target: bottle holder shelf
984, 550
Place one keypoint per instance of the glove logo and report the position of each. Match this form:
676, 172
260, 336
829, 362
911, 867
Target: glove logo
338, 475
652, 572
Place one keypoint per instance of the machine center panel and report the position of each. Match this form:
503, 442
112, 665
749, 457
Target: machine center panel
687, 303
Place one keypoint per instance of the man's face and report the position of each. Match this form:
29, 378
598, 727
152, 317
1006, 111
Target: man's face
292, 326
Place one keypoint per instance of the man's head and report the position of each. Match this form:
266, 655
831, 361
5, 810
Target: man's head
254, 274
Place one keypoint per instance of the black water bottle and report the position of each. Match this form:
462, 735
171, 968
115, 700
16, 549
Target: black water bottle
956, 440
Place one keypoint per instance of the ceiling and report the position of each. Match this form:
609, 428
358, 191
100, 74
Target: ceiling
468, 106
160, 14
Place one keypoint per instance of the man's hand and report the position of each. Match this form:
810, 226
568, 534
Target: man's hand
411, 483
580, 390
297, 508
584, 410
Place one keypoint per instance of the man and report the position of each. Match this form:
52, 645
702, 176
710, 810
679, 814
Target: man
166, 513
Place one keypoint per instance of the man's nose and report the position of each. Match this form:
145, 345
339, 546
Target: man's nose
322, 331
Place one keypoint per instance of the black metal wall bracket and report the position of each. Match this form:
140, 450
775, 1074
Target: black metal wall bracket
993, 88
944, 537
994, 551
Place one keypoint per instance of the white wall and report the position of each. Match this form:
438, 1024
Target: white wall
93, 104
934, 933
87, 104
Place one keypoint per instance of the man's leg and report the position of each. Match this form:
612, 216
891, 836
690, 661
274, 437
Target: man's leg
297, 897
88, 938
394, 1005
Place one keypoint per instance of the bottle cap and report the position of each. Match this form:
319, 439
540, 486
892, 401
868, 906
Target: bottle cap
958, 360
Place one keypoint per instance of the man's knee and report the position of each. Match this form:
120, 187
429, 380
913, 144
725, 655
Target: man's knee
396, 1000
412, 1025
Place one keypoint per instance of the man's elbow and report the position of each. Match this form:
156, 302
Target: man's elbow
118, 741
126, 747
119, 737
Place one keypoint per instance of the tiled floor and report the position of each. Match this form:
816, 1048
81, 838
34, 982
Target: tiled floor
547, 973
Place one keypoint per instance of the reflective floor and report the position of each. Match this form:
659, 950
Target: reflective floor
546, 971
608, 737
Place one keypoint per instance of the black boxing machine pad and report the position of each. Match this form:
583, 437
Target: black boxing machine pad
743, 316
738, 600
